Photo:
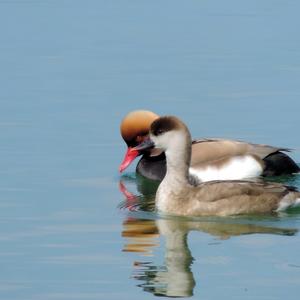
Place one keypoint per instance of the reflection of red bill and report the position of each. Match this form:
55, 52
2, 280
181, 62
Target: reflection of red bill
130, 155
129, 196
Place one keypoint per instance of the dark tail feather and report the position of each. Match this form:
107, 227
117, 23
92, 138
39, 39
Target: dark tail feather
279, 163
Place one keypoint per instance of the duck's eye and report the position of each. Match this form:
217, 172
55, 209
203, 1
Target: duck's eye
159, 131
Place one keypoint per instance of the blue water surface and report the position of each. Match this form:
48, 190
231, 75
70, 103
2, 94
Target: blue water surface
70, 70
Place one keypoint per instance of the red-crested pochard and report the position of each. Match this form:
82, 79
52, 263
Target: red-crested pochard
176, 195
212, 159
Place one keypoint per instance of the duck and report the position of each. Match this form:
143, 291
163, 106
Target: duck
176, 195
212, 159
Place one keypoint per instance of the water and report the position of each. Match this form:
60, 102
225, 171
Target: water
70, 70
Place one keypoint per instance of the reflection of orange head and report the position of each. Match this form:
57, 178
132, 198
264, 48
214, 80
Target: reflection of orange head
135, 126
142, 236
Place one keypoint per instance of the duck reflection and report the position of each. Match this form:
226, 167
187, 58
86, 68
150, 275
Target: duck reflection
142, 235
143, 197
174, 277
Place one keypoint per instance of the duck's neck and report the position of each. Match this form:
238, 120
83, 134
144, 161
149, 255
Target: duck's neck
178, 162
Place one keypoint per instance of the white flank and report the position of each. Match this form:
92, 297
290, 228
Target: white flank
240, 167
287, 202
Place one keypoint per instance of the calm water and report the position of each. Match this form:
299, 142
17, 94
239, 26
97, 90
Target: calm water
70, 226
